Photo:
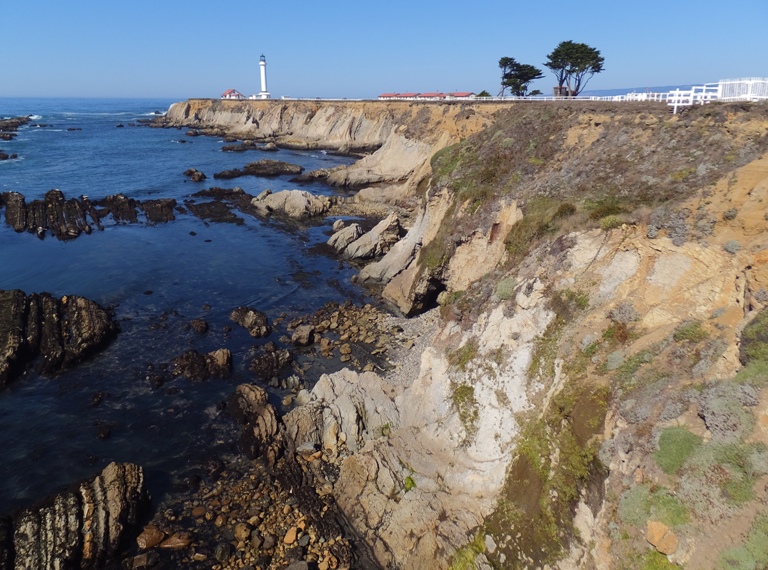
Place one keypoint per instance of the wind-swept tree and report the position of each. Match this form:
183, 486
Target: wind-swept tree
517, 76
574, 64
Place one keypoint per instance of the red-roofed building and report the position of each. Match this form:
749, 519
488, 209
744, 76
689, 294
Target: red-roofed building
232, 94
434, 95
461, 95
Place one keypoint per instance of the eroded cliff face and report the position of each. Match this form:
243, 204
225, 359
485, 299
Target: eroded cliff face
401, 136
590, 388
580, 327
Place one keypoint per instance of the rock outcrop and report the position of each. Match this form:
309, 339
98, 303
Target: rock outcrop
296, 204
253, 320
376, 242
266, 167
85, 527
68, 219
61, 332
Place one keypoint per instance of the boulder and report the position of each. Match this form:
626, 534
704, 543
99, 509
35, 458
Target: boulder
297, 204
376, 242
254, 321
304, 335
258, 420
345, 236
194, 175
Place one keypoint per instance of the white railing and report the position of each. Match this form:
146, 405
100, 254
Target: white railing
747, 89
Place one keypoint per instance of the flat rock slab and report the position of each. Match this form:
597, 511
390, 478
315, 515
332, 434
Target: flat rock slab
264, 167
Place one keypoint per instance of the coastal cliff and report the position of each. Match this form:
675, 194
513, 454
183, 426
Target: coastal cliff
401, 137
588, 384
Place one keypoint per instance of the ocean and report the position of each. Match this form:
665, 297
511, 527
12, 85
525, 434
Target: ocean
157, 278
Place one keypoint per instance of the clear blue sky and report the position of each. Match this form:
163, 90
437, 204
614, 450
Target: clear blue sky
196, 48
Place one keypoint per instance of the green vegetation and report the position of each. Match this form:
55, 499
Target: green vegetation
607, 206
557, 457
754, 339
676, 445
409, 484
656, 561
753, 553
464, 558
517, 76
683, 174
639, 504
463, 355
465, 405
573, 65
539, 219
691, 331
611, 222
505, 289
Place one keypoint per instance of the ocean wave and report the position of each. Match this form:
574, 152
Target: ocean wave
35, 117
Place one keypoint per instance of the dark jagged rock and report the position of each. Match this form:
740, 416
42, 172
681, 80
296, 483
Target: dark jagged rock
194, 175
123, 209
199, 367
215, 211
62, 332
220, 210
254, 321
85, 527
159, 211
261, 168
270, 362
67, 219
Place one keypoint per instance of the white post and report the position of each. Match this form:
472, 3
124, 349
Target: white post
264, 94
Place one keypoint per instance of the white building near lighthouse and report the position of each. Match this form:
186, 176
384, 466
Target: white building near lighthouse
263, 94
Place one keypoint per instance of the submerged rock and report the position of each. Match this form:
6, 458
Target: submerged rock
264, 167
62, 331
84, 527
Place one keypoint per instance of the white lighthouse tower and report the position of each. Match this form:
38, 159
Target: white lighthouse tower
263, 94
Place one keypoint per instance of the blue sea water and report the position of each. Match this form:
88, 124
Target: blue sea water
157, 278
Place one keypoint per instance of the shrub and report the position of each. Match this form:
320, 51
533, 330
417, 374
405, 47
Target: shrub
565, 210
505, 289
610, 222
690, 332
409, 484
624, 313
730, 214
676, 445
732, 246
754, 339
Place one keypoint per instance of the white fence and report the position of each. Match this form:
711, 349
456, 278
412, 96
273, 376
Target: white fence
747, 89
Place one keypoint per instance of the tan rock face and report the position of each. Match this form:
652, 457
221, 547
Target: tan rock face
661, 537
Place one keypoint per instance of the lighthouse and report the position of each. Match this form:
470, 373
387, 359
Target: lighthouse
263, 94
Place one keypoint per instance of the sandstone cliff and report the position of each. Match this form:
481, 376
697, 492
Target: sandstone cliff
590, 387
401, 136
